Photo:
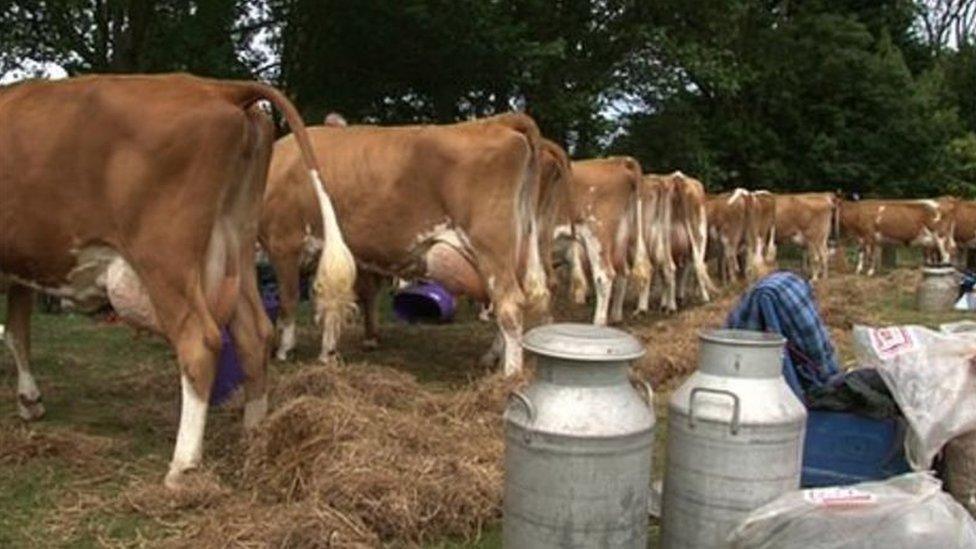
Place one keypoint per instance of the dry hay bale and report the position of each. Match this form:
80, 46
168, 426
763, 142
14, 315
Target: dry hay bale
411, 464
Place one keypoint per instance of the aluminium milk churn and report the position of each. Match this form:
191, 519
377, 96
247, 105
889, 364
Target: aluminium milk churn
578, 444
938, 289
735, 438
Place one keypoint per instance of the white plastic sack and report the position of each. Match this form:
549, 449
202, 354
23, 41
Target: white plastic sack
932, 377
966, 303
905, 512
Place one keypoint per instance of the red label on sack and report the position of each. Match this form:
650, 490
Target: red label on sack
839, 497
891, 342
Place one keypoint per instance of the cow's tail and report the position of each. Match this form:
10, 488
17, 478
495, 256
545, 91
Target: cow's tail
336, 274
534, 282
641, 270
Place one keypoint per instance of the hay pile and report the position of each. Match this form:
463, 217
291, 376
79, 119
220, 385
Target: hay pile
672, 342
365, 453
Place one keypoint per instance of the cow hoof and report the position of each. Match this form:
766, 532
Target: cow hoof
281, 355
371, 344
178, 477
30, 409
330, 358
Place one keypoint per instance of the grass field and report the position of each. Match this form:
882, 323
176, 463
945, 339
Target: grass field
87, 475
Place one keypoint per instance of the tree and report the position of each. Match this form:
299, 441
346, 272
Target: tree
119, 36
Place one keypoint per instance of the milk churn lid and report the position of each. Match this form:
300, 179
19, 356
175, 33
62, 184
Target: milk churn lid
583, 342
935, 270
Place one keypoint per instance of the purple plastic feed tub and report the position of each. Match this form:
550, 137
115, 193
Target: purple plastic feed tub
229, 371
424, 302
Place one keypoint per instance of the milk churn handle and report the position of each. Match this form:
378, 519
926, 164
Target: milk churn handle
529, 408
648, 392
723, 392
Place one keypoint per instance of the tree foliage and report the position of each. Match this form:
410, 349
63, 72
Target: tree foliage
874, 96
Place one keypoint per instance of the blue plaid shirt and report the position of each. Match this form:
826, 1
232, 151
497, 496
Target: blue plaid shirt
783, 302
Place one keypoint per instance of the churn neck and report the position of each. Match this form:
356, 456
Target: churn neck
581, 353
741, 353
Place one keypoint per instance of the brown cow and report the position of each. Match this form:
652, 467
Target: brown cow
606, 219
159, 180
727, 215
805, 220
676, 226
906, 222
452, 203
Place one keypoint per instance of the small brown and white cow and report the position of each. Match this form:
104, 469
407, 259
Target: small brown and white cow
872, 223
676, 226
606, 221
155, 181
728, 215
453, 203
806, 220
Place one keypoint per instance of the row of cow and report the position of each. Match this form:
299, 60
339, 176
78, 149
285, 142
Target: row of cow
152, 193
740, 228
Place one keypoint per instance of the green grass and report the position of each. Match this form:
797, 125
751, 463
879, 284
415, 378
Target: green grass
121, 391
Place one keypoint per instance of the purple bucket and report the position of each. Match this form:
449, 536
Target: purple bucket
229, 371
424, 302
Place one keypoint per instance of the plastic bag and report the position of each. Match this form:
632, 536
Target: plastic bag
904, 512
932, 376
960, 464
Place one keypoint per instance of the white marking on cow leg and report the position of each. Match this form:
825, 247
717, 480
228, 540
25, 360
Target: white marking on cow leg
513, 351
286, 337
698, 253
644, 298
619, 295
602, 275
578, 284
669, 299
255, 411
484, 312
860, 260
29, 405
534, 282
189, 439
331, 331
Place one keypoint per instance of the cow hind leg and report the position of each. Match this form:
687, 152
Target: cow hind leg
669, 303
286, 266
197, 349
252, 334
644, 295
368, 287
578, 284
17, 337
619, 296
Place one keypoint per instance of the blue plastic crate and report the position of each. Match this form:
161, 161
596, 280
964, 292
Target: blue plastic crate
843, 448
